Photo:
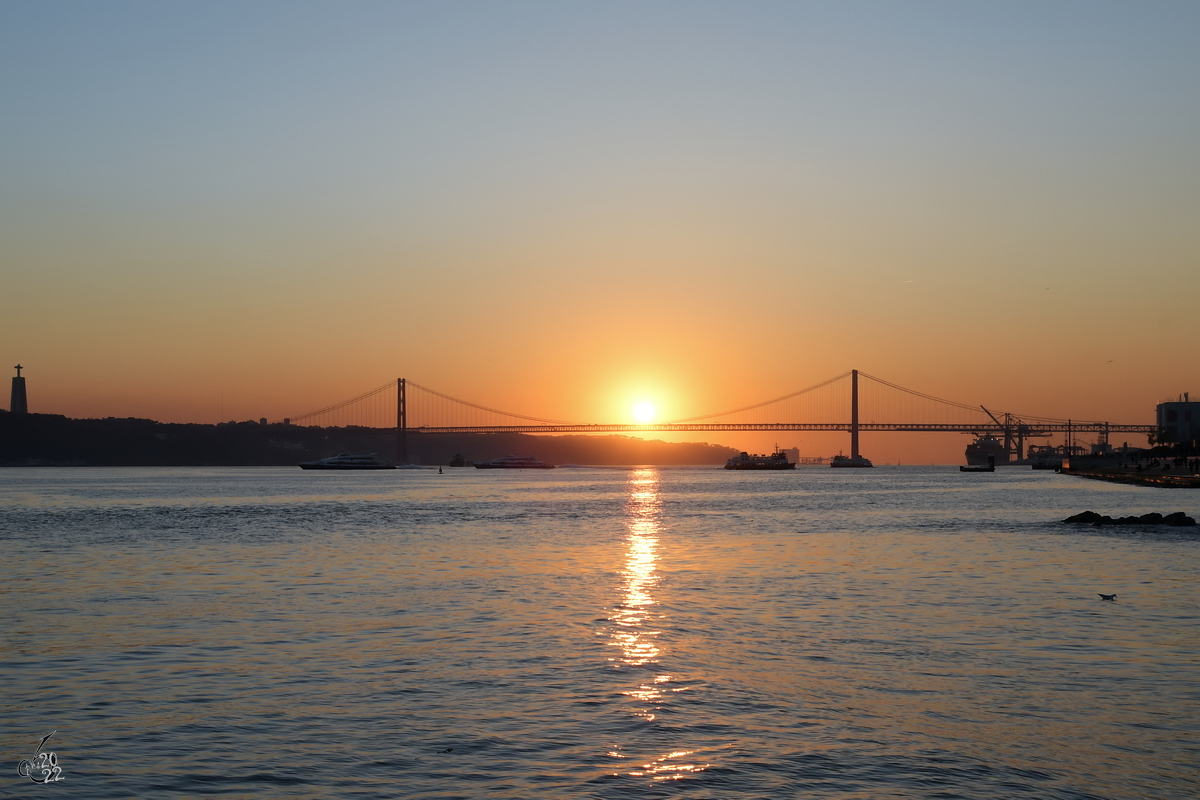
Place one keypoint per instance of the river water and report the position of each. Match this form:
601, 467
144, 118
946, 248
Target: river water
903, 632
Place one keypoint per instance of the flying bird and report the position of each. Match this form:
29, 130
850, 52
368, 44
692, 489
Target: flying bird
1106, 596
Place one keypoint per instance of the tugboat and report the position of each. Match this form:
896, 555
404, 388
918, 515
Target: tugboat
347, 461
850, 461
990, 466
514, 462
743, 460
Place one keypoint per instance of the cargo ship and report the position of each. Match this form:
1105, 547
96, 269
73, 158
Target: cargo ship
985, 447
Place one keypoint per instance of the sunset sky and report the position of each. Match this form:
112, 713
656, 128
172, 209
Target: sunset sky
229, 210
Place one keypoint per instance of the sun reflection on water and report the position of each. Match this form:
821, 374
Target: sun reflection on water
634, 631
631, 634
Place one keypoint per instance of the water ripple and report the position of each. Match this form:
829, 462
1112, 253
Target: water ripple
598, 633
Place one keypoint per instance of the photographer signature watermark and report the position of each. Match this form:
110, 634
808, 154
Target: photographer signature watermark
43, 767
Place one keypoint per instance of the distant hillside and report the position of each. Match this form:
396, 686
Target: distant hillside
53, 440
440, 448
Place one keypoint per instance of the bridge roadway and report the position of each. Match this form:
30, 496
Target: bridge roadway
1025, 430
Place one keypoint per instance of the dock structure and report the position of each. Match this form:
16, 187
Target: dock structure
1165, 474
1161, 480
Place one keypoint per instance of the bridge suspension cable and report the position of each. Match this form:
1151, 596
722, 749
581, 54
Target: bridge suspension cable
765, 403
829, 405
915, 393
831, 402
379, 408
478, 407
332, 412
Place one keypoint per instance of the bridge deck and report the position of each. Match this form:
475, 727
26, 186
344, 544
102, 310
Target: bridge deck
1027, 431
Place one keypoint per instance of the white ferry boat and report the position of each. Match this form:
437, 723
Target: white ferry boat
347, 461
777, 460
514, 462
850, 461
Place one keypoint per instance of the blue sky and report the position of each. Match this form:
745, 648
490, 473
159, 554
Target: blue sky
186, 187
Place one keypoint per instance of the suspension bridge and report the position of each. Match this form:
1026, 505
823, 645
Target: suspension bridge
854, 402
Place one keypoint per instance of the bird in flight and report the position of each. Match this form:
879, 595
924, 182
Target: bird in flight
1106, 596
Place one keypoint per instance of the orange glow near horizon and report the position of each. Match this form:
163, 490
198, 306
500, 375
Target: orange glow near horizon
582, 253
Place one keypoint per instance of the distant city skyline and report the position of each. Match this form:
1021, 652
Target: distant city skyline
215, 212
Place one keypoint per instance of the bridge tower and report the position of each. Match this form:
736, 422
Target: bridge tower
854, 413
401, 422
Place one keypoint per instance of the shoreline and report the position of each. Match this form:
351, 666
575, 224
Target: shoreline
1162, 480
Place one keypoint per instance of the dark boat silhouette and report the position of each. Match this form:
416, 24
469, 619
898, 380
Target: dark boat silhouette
347, 461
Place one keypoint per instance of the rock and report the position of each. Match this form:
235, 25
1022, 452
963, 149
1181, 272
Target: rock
1177, 519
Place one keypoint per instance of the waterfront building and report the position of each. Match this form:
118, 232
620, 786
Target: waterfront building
1179, 420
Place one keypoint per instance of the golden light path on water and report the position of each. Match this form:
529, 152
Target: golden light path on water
634, 632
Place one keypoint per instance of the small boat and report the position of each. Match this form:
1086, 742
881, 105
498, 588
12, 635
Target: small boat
1046, 457
777, 460
514, 462
850, 461
347, 461
988, 467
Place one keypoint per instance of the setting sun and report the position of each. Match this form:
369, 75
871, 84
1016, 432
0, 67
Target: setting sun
643, 412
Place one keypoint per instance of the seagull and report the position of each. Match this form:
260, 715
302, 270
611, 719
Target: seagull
1107, 596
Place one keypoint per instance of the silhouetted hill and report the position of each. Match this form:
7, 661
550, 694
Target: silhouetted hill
440, 448
54, 440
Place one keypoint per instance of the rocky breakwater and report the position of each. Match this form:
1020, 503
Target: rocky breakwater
1177, 520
